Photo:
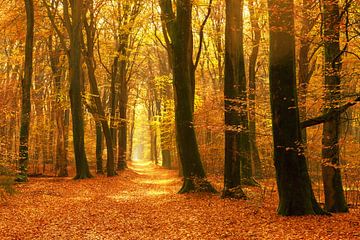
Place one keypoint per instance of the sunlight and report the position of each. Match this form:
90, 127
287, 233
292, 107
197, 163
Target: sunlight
156, 181
127, 196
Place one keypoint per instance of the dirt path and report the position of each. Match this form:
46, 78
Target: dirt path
142, 203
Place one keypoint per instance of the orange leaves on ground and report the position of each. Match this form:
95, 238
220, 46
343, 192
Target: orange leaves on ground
142, 204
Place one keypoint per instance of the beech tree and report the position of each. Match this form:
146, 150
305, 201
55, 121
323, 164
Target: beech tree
296, 196
82, 168
237, 146
334, 194
178, 25
254, 9
72, 20
25, 90
99, 113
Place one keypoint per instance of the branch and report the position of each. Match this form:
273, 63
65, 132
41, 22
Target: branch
168, 16
57, 30
201, 34
329, 115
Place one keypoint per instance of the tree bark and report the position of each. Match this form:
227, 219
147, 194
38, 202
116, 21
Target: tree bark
334, 193
295, 192
123, 101
236, 125
61, 156
256, 37
90, 30
180, 32
82, 168
25, 90
99, 149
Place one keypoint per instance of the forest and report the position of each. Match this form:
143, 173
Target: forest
179, 119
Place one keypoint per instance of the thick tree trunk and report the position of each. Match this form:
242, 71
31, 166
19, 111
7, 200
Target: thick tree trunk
334, 194
25, 90
236, 140
295, 192
181, 35
82, 168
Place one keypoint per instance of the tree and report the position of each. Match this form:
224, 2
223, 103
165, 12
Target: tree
82, 168
126, 14
295, 192
236, 125
73, 25
180, 33
334, 193
254, 9
90, 31
306, 64
25, 89
61, 114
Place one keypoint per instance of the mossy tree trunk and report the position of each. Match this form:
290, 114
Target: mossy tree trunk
25, 90
334, 193
295, 192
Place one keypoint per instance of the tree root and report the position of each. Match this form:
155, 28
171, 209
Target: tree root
195, 184
250, 182
236, 193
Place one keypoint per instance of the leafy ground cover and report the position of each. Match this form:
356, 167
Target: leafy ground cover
141, 203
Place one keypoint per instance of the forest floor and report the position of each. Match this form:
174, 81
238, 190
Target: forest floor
141, 203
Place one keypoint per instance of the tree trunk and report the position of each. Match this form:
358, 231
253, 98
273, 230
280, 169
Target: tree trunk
334, 194
82, 168
99, 149
123, 101
165, 130
295, 192
180, 31
25, 90
306, 69
193, 171
236, 140
60, 149
256, 36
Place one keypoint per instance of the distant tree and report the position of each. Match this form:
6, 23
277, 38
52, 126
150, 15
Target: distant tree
294, 186
180, 33
254, 9
126, 13
306, 62
25, 89
61, 114
237, 146
334, 193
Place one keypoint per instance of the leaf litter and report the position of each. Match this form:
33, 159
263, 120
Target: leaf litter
142, 203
